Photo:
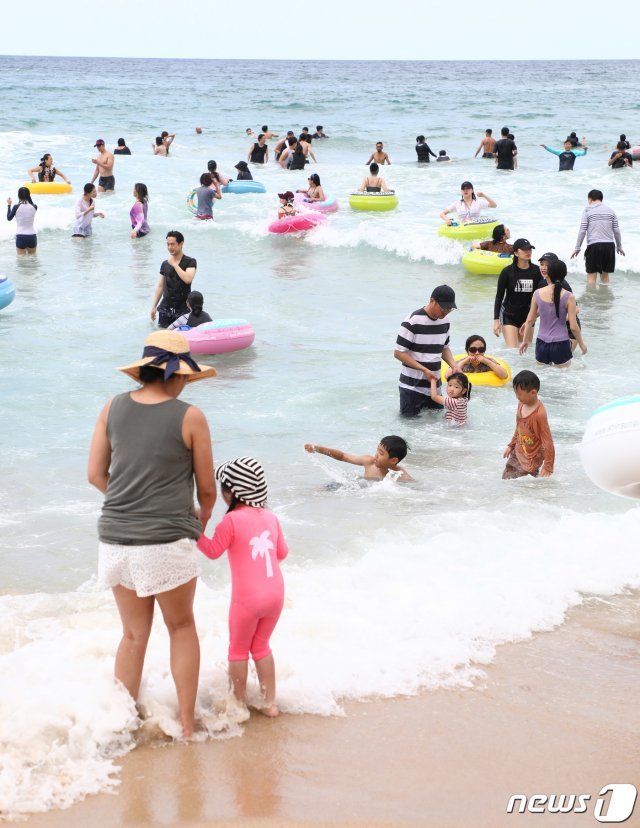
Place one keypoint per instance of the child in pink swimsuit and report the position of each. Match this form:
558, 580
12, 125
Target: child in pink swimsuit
255, 542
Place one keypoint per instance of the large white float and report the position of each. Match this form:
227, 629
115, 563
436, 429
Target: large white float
611, 447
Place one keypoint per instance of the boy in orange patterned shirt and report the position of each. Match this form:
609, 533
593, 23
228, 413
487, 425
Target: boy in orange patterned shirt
531, 450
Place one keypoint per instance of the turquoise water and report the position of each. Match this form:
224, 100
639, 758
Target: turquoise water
390, 588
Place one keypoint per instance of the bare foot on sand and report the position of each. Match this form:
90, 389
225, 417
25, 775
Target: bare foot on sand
271, 710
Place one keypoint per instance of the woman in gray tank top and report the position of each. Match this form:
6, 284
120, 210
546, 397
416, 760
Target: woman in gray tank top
147, 449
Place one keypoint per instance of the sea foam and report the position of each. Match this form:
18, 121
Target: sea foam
415, 607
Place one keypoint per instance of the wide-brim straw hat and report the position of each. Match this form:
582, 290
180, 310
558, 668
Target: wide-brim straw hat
169, 350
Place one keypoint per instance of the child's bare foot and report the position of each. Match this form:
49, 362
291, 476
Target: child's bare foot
188, 726
271, 710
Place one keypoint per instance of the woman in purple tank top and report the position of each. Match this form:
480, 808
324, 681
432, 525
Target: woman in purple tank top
555, 306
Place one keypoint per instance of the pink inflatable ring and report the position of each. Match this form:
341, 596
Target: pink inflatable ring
220, 336
329, 205
298, 223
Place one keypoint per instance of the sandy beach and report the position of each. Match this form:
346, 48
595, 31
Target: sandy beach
557, 714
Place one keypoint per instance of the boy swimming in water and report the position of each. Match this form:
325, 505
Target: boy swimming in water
389, 453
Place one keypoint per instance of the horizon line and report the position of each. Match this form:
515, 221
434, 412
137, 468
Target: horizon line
334, 60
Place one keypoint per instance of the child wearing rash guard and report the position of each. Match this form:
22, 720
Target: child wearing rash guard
253, 539
531, 450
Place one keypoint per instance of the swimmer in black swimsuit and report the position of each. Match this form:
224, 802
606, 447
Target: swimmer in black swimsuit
122, 148
244, 173
487, 145
373, 183
423, 150
104, 168
46, 171
259, 153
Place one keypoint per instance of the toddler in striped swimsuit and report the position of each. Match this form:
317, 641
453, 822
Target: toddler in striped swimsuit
457, 399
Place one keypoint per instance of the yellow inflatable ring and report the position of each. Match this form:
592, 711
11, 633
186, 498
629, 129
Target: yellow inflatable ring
373, 201
480, 229
51, 187
484, 377
485, 262
191, 202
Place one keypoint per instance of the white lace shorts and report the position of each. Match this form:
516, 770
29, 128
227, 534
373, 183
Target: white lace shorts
148, 569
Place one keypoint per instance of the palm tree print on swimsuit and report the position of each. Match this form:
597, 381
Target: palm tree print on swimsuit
261, 547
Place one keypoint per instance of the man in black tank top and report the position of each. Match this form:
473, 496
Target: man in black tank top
259, 153
174, 285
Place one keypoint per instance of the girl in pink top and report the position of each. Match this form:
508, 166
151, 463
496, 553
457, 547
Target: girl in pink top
255, 543
138, 213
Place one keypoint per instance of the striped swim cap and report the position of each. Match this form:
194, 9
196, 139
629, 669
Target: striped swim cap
245, 477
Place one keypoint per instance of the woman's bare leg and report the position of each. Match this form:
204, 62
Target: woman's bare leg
510, 333
177, 611
136, 615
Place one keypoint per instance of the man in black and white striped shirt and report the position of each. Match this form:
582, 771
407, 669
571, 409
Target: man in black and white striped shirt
423, 341
600, 225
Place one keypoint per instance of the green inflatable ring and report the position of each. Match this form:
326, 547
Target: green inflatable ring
469, 231
373, 201
485, 262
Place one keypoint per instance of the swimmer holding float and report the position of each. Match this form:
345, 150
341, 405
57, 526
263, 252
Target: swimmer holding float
476, 361
469, 206
374, 183
46, 171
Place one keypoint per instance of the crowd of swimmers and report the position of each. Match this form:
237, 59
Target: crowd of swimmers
525, 292
291, 153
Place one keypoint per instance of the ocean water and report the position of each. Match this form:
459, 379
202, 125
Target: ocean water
390, 589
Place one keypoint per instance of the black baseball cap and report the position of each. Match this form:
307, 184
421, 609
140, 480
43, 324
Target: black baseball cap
465, 184
523, 244
548, 257
445, 297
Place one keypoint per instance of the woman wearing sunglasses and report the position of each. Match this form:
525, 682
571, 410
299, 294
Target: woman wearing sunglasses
476, 361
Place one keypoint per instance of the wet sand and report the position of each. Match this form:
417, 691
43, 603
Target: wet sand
556, 714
